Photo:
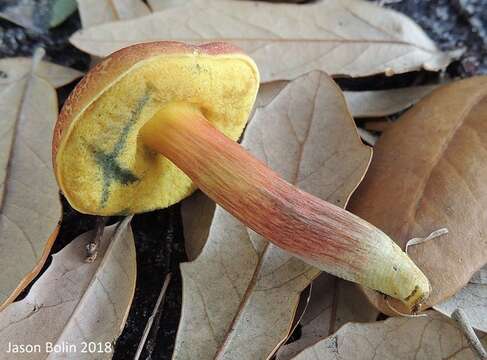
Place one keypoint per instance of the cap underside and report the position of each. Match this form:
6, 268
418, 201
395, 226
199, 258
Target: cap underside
102, 166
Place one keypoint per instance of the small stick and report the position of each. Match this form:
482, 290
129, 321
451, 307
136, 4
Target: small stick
148, 326
92, 246
462, 320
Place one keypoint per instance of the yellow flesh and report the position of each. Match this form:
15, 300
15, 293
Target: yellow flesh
102, 166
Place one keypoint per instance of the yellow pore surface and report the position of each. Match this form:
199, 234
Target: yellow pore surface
105, 169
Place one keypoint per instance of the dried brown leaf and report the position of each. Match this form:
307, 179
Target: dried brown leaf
472, 299
362, 104
29, 201
19, 68
384, 102
159, 5
268, 91
428, 173
333, 303
96, 12
340, 37
75, 301
242, 289
424, 338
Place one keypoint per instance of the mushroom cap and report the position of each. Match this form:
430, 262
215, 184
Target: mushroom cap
100, 165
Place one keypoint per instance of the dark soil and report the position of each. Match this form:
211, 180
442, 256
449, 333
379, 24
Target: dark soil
159, 238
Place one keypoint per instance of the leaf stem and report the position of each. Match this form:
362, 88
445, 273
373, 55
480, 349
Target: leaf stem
92, 246
314, 230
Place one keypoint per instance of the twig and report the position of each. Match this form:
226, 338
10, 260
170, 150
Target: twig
148, 326
92, 246
462, 320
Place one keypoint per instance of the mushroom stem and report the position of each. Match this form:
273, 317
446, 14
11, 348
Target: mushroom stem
312, 229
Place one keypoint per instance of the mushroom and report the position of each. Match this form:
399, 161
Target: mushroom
153, 121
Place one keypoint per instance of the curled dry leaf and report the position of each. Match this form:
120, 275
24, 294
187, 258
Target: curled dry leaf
428, 173
75, 301
384, 102
340, 37
242, 289
360, 103
472, 299
96, 12
29, 201
423, 338
333, 303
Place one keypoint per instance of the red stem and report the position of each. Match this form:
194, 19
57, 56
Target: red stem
313, 229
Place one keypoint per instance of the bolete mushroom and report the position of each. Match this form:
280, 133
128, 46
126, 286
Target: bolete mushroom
153, 121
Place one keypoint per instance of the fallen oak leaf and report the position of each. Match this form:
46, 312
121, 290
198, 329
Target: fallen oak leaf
75, 301
423, 338
160, 5
37, 16
340, 37
197, 213
385, 102
362, 104
472, 299
30, 208
130, 9
300, 135
268, 91
96, 12
19, 68
333, 303
426, 175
